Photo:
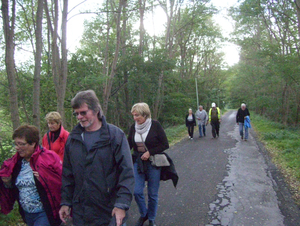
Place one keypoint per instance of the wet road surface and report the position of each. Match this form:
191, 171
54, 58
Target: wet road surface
223, 181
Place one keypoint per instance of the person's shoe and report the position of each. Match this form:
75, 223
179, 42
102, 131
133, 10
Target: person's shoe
200, 136
191, 138
141, 221
245, 139
204, 134
242, 137
152, 223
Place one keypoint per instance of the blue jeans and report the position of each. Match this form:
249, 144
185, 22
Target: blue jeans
153, 176
202, 128
37, 219
241, 127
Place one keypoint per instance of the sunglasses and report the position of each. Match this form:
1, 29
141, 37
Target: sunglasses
82, 113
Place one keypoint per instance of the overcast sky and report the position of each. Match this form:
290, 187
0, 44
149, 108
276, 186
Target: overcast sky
75, 25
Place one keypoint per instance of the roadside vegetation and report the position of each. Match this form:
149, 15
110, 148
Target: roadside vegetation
283, 144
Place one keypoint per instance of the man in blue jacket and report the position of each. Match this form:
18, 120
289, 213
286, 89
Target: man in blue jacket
241, 115
98, 179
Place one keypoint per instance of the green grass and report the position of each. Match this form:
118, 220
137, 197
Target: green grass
176, 133
283, 144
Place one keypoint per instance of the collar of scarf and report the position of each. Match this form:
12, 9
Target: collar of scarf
140, 129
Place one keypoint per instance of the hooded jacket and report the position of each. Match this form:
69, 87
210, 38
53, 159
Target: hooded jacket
49, 167
58, 146
96, 181
201, 117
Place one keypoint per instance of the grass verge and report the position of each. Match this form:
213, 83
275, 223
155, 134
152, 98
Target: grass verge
176, 133
283, 144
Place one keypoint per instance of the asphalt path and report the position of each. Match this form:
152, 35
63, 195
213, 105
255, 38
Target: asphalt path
223, 181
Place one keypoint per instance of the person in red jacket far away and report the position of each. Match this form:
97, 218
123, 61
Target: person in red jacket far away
56, 138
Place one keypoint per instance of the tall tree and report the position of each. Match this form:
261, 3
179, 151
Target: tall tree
109, 82
59, 52
9, 33
37, 68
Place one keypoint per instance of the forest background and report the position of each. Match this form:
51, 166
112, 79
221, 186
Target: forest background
125, 64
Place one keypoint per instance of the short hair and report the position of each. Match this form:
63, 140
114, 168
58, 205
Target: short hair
30, 133
200, 106
190, 109
142, 109
89, 98
54, 116
243, 105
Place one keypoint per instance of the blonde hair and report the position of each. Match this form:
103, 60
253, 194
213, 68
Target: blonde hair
53, 116
142, 109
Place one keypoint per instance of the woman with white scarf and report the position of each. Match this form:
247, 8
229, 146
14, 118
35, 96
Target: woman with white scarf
147, 138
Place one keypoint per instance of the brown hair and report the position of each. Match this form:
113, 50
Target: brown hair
30, 133
87, 97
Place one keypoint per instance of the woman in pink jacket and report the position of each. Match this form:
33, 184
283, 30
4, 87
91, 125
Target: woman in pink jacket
33, 178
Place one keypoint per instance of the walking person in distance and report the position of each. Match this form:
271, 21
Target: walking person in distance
55, 139
241, 117
190, 122
214, 119
202, 119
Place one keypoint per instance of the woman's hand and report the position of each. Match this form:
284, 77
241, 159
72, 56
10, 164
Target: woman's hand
36, 174
145, 156
6, 180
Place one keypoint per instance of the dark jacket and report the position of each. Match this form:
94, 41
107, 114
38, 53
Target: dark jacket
190, 123
48, 165
96, 181
240, 116
156, 143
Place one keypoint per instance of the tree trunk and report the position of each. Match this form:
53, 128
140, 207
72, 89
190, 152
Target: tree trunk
59, 63
108, 85
9, 29
64, 63
37, 68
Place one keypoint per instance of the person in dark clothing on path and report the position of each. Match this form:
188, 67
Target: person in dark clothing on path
98, 178
241, 115
214, 119
190, 122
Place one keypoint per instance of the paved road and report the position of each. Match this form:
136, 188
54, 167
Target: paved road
223, 181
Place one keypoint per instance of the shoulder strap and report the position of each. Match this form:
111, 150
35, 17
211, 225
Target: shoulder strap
144, 142
48, 138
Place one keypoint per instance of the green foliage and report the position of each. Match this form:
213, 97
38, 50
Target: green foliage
267, 77
13, 218
282, 141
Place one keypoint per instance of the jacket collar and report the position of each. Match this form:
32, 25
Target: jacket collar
78, 131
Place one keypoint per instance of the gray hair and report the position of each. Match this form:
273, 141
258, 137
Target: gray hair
200, 106
243, 105
89, 98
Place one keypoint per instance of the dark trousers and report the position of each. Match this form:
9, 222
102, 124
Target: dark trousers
215, 127
191, 130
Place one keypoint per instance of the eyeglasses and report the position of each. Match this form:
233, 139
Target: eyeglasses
82, 113
19, 144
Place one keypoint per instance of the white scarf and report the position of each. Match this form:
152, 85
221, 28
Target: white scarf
142, 128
